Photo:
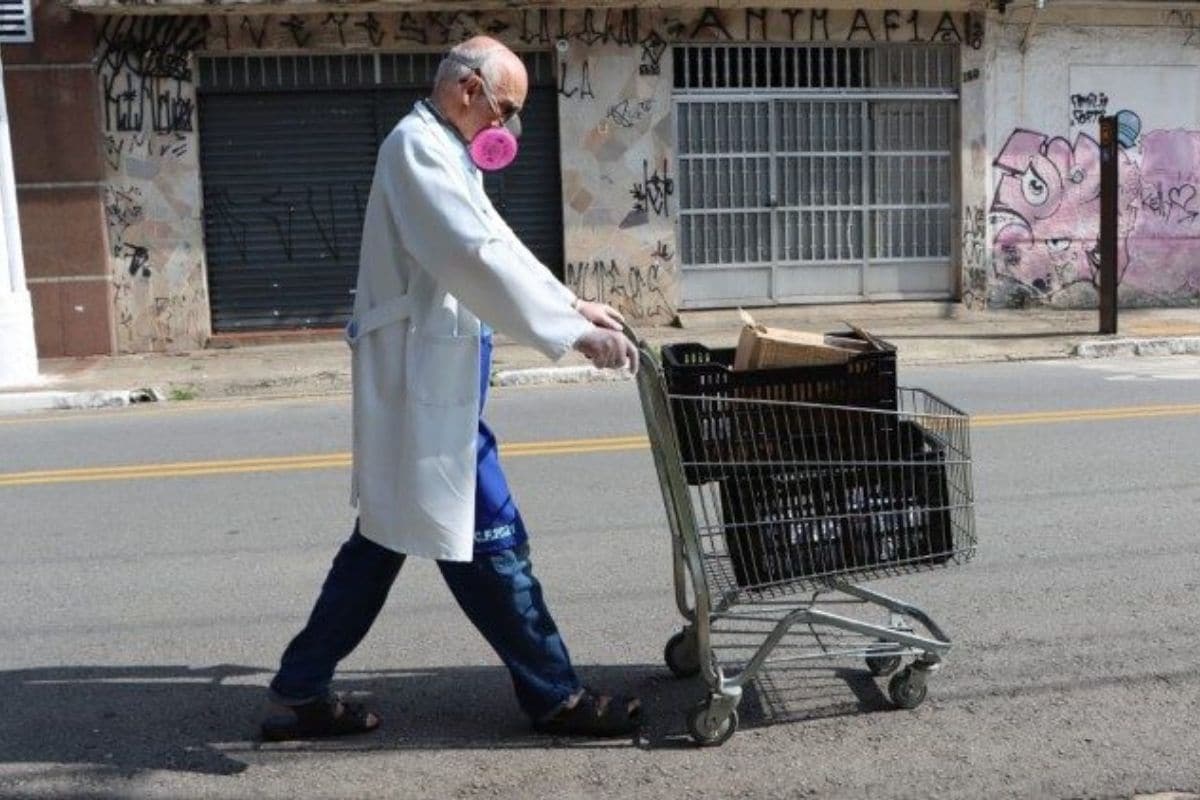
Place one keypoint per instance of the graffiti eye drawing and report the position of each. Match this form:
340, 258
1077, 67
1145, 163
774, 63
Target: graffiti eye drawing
1057, 245
1034, 187
1077, 175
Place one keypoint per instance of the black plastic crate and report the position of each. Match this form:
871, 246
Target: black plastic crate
868, 516
711, 433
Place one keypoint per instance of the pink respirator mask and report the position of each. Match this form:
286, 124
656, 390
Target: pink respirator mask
493, 149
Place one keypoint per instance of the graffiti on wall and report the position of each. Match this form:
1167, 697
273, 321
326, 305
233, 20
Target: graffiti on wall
145, 72
650, 33
651, 195
144, 68
1047, 210
637, 291
1088, 107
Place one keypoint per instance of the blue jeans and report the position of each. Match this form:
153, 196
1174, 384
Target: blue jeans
497, 591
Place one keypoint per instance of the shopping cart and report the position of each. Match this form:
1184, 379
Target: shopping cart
779, 506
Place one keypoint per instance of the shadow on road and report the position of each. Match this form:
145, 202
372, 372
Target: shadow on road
119, 721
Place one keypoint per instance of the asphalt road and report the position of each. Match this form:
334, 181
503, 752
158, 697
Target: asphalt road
146, 602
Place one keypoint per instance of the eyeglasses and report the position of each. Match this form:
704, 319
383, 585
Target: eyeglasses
506, 110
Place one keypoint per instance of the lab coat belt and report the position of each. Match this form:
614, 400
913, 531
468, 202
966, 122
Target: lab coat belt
382, 315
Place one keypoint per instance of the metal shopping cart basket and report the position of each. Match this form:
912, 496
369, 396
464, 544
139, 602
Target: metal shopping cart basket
778, 507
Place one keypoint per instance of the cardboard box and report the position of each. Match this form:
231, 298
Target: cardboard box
760, 347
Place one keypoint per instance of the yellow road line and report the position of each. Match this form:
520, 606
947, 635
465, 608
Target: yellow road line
1084, 415
314, 461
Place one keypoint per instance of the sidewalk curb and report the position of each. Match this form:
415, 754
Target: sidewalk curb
21, 402
539, 376
1161, 346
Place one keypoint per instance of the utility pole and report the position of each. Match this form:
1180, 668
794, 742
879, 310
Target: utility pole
18, 352
1108, 224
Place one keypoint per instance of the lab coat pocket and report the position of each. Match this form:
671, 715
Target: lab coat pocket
443, 370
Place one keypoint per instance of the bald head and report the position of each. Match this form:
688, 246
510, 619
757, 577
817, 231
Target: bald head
475, 79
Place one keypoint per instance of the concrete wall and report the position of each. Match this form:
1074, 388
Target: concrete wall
152, 197
54, 115
1052, 74
615, 126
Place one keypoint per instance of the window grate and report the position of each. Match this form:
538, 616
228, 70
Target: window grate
829, 172
320, 71
16, 21
816, 67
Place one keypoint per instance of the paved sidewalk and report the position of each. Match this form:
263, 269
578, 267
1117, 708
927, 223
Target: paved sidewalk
924, 333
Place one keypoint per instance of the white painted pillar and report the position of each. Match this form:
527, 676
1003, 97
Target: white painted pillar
18, 353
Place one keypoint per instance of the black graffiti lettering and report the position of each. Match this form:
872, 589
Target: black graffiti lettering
860, 24
625, 31
890, 23
122, 209
946, 30
1182, 198
340, 21
818, 15
1174, 204
139, 260
442, 24
119, 103
710, 21
410, 29
662, 251
1087, 108
635, 291
542, 33
654, 192
178, 148
228, 222
627, 113
170, 111
296, 25
373, 29
675, 29
151, 46
283, 226
791, 14
495, 27
113, 147
653, 47
583, 89
973, 24
259, 35
756, 16
914, 20
588, 33
328, 236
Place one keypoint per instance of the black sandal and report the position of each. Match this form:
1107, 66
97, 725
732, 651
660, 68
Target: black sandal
321, 719
594, 715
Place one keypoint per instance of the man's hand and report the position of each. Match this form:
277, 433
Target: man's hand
608, 349
600, 314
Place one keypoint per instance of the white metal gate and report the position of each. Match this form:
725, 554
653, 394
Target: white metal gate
815, 173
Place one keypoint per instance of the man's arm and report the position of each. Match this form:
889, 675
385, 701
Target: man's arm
448, 234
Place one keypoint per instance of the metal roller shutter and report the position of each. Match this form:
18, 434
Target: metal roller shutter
287, 151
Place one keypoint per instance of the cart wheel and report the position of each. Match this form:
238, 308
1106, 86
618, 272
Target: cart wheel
702, 730
883, 665
904, 691
681, 656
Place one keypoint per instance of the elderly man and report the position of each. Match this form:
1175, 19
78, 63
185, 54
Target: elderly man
439, 269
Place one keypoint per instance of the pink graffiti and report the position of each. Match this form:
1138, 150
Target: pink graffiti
1047, 211
1048, 201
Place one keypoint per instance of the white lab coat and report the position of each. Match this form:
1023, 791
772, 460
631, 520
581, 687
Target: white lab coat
435, 254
